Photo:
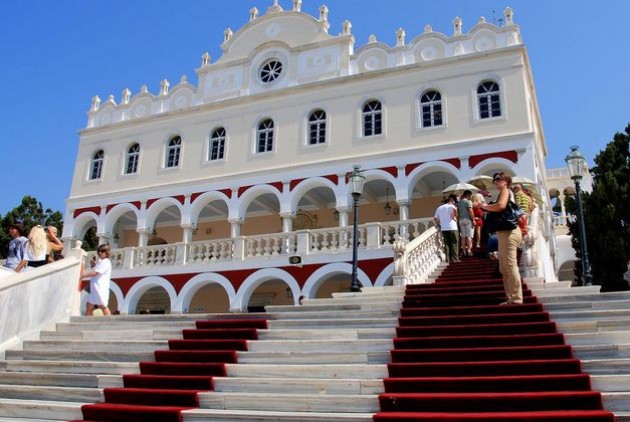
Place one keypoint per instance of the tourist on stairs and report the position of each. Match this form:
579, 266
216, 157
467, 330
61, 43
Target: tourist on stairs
446, 219
99, 283
509, 241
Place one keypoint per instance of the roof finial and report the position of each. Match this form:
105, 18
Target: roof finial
297, 5
274, 8
509, 16
96, 102
164, 84
482, 19
183, 79
457, 26
347, 27
144, 89
205, 59
126, 96
428, 28
253, 13
372, 38
323, 13
227, 35
400, 37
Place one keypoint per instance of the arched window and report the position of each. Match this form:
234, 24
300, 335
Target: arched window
216, 151
317, 127
264, 136
173, 151
372, 118
133, 156
431, 109
96, 165
489, 100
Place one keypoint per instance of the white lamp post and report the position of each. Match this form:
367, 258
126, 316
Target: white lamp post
577, 168
356, 180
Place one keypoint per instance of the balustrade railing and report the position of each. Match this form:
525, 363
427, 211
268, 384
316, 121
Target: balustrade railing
155, 255
211, 251
304, 242
414, 261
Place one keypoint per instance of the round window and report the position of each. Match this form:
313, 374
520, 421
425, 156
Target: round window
270, 71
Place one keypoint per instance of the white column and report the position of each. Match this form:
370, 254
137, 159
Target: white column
187, 233
563, 210
143, 237
343, 217
235, 226
287, 222
403, 206
103, 238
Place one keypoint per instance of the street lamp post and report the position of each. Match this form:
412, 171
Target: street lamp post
356, 180
577, 168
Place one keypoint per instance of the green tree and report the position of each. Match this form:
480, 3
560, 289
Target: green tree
607, 214
30, 212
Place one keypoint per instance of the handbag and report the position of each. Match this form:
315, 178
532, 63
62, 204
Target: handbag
503, 220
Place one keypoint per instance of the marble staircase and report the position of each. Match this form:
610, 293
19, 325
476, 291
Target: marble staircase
322, 361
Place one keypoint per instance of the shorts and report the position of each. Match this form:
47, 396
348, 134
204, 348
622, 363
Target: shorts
465, 228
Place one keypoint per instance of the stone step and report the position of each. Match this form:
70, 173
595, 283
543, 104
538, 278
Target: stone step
40, 409
369, 294
51, 393
580, 294
346, 403
602, 351
93, 346
611, 383
317, 307
313, 358
305, 371
70, 367
299, 386
360, 300
47, 379
330, 334
89, 356
561, 292
589, 326
615, 337
335, 314
607, 314
616, 402
122, 326
327, 324
585, 305
322, 346
198, 415
606, 366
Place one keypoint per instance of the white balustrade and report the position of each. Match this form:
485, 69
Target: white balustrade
210, 251
155, 255
416, 260
270, 245
315, 241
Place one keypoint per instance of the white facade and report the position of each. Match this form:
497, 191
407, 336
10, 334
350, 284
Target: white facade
265, 139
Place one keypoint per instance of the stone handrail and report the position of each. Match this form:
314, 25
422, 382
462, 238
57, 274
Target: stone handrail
416, 260
32, 300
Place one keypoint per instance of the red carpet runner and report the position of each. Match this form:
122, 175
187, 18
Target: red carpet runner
170, 384
459, 356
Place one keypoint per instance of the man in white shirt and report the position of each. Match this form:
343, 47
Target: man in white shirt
446, 218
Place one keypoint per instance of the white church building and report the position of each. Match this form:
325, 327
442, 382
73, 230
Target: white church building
205, 189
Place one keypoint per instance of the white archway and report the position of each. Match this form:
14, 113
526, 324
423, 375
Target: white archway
320, 275
81, 224
193, 285
116, 212
141, 287
385, 275
252, 282
250, 194
306, 185
203, 200
157, 207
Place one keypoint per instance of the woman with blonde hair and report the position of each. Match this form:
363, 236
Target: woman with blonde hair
509, 241
477, 202
34, 249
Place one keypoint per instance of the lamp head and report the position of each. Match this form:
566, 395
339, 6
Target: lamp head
576, 163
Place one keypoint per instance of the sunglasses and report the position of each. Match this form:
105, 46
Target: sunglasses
497, 179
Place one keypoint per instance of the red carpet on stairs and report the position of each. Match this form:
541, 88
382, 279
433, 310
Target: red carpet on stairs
459, 356
170, 384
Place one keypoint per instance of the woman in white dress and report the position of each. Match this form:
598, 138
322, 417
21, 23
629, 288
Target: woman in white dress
34, 250
100, 277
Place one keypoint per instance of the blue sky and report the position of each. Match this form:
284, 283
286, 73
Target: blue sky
56, 55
